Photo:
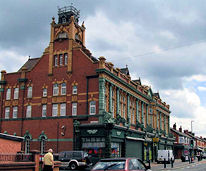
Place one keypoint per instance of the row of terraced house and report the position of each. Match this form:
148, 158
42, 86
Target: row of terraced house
187, 144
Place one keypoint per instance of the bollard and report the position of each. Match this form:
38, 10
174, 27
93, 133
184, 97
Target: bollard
189, 160
164, 163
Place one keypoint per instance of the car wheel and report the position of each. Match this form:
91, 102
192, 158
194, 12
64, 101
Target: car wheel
73, 166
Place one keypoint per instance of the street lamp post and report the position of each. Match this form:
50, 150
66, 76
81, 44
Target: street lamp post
193, 142
191, 126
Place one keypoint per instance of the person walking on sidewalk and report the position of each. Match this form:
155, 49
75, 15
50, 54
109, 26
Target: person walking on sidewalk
48, 163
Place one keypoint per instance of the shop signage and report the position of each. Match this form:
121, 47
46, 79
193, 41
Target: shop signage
92, 131
119, 133
148, 139
155, 139
170, 143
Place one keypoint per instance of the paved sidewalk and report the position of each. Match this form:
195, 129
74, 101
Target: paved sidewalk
177, 164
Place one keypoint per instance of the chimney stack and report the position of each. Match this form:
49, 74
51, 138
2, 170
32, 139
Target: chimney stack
180, 129
174, 126
186, 131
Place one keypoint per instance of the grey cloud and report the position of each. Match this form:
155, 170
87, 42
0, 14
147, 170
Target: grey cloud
25, 27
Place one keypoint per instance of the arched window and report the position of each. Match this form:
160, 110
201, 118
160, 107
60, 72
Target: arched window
27, 139
42, 138
27, 145
42, 145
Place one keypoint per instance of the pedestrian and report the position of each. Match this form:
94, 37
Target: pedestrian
48, 162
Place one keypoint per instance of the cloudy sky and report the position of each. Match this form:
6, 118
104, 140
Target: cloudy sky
162, 42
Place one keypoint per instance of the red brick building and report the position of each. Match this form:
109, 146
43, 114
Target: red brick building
67, 99
182, 148
10, 144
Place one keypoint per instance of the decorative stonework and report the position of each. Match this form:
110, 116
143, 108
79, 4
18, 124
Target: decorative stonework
74, 98
58, 99
7, 103
15, 102
44, 100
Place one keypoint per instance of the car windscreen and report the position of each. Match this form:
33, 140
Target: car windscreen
110, 165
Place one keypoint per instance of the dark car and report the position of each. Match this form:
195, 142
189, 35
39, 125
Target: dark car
74, 159
123, 164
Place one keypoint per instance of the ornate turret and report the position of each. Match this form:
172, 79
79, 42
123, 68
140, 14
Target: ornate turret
66, 13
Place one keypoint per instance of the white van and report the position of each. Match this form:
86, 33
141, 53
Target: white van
166, 155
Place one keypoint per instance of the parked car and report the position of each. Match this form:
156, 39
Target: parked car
204, 155
123, 164
74, 159
165, 155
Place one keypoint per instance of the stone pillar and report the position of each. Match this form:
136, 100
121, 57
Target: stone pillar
137, 110
165, 123
168, 124
36, 158
118, 100
83, 34
128, 110
110, 98
157, 124
147, 114
143, 113
160, 116
51, 47
102, 62
101, 95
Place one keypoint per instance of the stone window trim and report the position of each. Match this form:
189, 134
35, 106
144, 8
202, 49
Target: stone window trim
29, 92
61, 62
55, 89
44, 92
8, 94
28, 111
66, 59
15, 112
55, 60
63, 88
54, 109
74, 89
92, 107
16, 93
7, 112
44, 110
60, 59
74, 109
63, 109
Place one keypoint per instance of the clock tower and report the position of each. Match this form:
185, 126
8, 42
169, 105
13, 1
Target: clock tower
65, 35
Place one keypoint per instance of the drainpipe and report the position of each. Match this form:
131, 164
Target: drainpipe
57, 150
2, 89
22, 81
22, 112
2, 97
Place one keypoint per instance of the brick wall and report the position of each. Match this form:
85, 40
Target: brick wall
9, 147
